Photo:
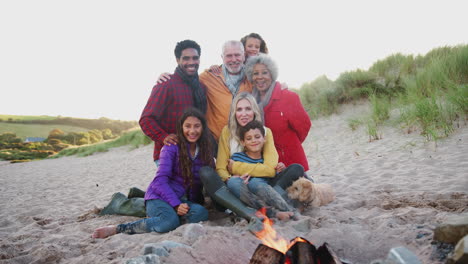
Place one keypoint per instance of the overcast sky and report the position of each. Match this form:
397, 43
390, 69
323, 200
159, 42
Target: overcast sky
92, 58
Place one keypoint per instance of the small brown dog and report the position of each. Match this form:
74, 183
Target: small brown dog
310, 193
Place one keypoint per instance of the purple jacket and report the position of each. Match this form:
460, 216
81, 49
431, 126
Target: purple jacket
168, 184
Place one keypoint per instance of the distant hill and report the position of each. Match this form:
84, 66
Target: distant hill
74, 124
23, 117
36, 130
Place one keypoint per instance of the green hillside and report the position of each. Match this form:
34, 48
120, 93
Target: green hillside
21, 117
36, 130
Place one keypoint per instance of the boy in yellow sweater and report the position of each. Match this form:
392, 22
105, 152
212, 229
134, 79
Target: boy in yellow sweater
256, 191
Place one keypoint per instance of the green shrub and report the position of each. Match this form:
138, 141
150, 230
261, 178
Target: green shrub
372, 130
15, 154
317, 97
380, 108
354, 123
354, 85
458, 96
56, 133
9, 138
107, 134
95, 136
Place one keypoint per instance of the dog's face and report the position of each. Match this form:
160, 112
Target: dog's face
302, 190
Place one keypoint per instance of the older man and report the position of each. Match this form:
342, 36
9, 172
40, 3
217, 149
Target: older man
222, 88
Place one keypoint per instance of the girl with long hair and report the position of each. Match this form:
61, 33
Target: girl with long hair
175, 194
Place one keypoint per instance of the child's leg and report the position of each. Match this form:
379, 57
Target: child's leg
257, 183
162, 218
234, 185
262, 189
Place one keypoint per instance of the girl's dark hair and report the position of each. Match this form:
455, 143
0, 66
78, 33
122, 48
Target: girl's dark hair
204, 144
254, 124
263, 46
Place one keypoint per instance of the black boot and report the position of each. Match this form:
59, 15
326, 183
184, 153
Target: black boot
134, 192
121, 205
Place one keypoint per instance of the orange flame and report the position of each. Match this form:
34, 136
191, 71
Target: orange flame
268, 235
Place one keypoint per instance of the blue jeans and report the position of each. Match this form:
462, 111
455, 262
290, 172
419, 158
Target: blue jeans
163, 218
280, 182
255, 184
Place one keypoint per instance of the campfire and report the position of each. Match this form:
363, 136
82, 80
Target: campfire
276, 249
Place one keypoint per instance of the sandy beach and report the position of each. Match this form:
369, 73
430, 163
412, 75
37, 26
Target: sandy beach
390, 192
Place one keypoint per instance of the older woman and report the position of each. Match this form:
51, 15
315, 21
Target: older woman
282, 110
243, 110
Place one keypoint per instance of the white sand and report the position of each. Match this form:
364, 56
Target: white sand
390, 192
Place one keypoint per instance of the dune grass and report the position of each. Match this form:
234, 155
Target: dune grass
134, 138
431, 92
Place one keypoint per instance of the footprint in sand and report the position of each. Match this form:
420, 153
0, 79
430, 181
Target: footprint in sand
41, 221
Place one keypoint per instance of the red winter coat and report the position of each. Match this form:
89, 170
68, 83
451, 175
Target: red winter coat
290, 124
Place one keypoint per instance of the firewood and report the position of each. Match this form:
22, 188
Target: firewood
327, 255
302, 253
266, 255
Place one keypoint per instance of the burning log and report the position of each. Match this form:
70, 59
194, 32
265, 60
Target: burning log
300, 251
267, 255
276, 249
326, 255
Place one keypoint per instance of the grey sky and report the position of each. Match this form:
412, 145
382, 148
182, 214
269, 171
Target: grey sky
101, 58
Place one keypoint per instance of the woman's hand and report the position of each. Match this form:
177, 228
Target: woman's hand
164, 77
182, 209
229, 165
280, 167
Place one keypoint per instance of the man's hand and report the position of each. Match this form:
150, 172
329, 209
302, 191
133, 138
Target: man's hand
171, 139
216, 69
182, 209
164, 77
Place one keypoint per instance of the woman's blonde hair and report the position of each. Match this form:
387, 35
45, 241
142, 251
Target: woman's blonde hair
232, 124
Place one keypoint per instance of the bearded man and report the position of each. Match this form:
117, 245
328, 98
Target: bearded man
168, 100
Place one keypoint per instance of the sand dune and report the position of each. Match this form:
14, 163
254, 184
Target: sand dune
390, 192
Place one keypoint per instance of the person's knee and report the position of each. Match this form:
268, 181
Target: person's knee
211, 180
198, 213
256, 184
234, 185
296, 169
234, 182
206, 173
